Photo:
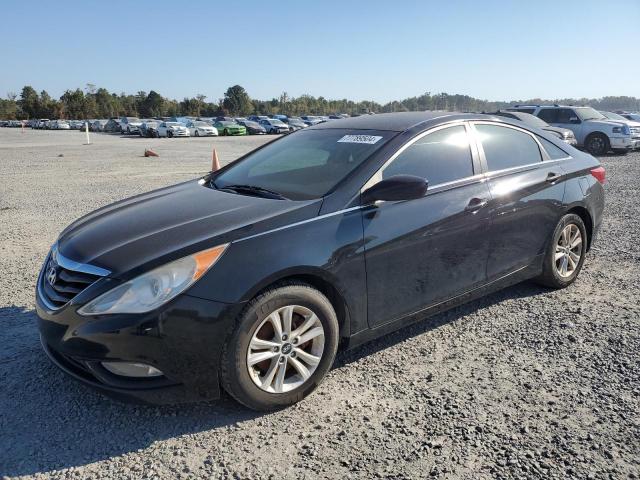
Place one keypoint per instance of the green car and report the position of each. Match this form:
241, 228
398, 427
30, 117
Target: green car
230, 128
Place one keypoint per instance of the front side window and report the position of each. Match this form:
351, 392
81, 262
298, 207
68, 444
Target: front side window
306, 165
565, 115
439, 157
507, 147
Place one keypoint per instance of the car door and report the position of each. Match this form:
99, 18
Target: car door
527, 191
421, 252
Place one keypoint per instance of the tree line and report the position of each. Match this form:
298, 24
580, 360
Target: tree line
93, 102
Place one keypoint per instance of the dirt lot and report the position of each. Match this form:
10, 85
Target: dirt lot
526, 383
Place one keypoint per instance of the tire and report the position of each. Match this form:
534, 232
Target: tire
197, 134
552, 272
597, 144
275, 392
169, 134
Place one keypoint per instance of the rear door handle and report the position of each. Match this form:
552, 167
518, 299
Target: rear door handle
476, 204
553, 177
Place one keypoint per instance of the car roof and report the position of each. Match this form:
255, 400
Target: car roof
397, 122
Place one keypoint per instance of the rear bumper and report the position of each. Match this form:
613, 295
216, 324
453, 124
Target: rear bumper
184, 340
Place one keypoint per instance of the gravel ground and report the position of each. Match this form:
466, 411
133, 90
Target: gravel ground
525, 383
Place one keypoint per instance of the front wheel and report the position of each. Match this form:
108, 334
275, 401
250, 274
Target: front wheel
597, 144
197, 134
169, 134
565, 254
284, 343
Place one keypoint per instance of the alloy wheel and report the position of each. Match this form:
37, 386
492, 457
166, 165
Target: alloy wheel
285, 349
568, 250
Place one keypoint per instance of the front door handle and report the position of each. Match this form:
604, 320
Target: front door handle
476, 204
553, 177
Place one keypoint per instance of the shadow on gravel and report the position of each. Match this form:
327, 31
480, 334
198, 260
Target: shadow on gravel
521, 290
49, 421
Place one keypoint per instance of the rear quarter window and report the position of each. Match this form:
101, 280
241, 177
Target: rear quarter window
506, 147
554, 152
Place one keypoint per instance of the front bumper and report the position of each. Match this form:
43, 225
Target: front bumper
622, 143
183, 339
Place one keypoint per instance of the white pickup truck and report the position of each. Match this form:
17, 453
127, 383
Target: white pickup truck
594, 132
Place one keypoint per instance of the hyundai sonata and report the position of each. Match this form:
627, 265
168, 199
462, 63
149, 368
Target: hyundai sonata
249, 279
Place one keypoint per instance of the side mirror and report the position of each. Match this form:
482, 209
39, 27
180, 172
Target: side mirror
395, 188
574, 120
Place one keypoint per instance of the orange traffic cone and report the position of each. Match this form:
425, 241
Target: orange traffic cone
150, 153
215, 163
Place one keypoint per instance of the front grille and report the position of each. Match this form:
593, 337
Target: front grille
60, 285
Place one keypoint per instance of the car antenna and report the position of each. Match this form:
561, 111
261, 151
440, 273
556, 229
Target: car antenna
215, 163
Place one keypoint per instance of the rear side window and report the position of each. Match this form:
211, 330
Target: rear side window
440, 157
549, 115
554, 152
507, 147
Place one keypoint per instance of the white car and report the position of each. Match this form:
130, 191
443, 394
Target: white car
129, 125
198, 128
172, 129
59, 125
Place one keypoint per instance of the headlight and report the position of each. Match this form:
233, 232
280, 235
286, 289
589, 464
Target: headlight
155, 288
624, 129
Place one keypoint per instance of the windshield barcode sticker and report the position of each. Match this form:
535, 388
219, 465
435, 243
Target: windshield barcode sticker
370, 139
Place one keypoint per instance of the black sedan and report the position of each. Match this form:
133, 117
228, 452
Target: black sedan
250, 278
253, 128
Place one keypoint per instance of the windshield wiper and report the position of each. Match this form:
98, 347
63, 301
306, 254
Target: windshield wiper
254, 190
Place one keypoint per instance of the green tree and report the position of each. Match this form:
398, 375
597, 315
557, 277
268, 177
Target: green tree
237, 101
29, 102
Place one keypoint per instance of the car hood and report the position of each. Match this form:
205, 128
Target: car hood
559, 130
155, 227
610, 123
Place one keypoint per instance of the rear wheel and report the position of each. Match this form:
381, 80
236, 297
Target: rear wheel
597, 144
565, 254
284, 344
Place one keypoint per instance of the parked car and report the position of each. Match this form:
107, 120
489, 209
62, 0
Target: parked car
257, 118
172, 129
198, 128
112, 126
129, 125
40, 124
97, 125
253, 128
564, 134
59, 125
149, 128
634, 127
311, 120
227, 127
630, 116
593, 131
274, 126
295, 123
249, 279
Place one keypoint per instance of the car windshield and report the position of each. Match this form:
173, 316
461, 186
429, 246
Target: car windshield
133, 119
249, 123
200, 124
589, 113
174, 124
227, 124
275, 121
306, 165
614, 116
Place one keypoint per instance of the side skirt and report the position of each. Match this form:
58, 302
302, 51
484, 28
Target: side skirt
520, 275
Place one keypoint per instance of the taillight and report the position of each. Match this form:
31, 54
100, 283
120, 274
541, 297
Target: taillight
599, 174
